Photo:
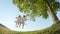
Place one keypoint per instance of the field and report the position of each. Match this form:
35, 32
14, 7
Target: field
54, 29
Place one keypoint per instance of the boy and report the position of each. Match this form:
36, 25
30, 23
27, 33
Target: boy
23, 20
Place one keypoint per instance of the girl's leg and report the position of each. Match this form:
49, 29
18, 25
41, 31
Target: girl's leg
16, 24
19, 24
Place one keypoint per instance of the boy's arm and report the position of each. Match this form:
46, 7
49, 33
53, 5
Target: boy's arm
16, 17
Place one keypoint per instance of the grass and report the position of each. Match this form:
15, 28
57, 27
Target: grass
54, 29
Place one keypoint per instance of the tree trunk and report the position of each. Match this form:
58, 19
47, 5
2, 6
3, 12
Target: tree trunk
51, 11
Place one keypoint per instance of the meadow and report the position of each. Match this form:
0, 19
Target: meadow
54, 29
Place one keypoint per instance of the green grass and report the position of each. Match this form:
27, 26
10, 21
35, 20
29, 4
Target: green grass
54, 29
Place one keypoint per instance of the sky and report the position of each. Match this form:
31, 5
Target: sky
9, 12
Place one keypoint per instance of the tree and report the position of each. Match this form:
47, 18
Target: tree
35, 8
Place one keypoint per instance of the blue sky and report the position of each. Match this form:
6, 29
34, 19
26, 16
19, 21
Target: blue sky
9, 12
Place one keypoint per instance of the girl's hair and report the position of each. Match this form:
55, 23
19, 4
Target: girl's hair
24, 16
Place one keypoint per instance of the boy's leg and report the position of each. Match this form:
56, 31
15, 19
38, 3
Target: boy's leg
23, 25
